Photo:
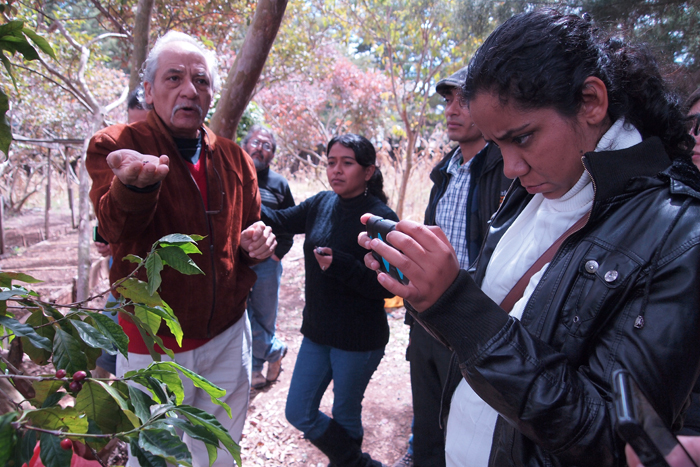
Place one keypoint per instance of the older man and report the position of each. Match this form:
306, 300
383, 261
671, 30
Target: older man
171, 174
260, 144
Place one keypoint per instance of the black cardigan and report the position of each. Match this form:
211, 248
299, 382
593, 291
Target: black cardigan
345, 303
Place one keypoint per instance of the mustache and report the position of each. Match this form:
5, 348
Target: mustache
192, 106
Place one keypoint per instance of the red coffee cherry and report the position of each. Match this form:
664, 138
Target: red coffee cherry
61, 374
75, 386
66, 444
79, 376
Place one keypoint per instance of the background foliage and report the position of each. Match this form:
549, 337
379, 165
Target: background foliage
368, 66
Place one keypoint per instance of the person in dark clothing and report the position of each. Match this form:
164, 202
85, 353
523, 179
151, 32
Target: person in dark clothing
468, 186
260, 145
591, 263
344, 323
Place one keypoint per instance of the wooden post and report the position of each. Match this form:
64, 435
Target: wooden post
2, 226
48, 195
69, 188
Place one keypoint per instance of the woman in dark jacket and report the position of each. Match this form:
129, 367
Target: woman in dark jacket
604, 181
345, 327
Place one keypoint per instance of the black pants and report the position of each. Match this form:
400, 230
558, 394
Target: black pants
430, 366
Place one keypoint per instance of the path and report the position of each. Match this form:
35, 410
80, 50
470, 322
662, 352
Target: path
268, 439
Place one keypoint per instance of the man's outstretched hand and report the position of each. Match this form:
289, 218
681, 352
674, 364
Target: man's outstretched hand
140, 170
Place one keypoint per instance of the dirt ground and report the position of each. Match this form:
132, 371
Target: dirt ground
268, 439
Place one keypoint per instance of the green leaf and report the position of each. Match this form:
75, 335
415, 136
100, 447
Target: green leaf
91, 353
25, 450
24, 330
93, 337
67, 353
50, 311
159, 410
170, 320
165, 374
52, 454
8, 66
6, 278
180, 238
188, 248
199, 417
137, 291
112, 331
145, 458
7, 437
24, 47
213, 453
215, 392
141, 402
148, 338
38, 355
53, 399
103, 407
177, 259
58, 418
197, 432
152, 320
44, 389
11, 27
9, 44
166, 445
157, 388
133, 259
154, 265
13, 292
42, 43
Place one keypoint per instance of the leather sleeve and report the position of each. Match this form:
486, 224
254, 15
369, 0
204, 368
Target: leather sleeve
561, 398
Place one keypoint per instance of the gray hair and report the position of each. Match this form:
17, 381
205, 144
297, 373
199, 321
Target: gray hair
259, 128
148, 70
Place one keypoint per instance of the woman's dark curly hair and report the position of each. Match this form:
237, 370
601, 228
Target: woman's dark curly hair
365, 155
542, 58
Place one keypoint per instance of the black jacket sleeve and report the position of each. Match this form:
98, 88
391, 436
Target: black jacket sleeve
285, 241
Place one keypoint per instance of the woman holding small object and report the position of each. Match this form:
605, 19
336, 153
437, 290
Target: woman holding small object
592, 262
345, 327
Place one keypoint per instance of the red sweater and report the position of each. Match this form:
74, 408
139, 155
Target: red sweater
206, 304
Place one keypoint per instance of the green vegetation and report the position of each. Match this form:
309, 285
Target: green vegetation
103, 409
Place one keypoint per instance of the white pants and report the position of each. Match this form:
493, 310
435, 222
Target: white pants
225, 361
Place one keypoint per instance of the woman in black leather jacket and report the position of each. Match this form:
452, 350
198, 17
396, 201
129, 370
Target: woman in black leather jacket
601, 159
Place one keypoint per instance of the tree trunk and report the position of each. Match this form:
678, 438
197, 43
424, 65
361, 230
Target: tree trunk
69, 188
248, 66
82, 285
47, 208
140, 34
2, 226
407, 169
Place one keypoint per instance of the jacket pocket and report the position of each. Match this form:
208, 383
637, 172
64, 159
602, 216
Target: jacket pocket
603, 278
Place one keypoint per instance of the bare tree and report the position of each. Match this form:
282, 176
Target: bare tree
241, 80
140, 40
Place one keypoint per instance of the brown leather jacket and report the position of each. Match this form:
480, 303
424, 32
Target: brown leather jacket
131, 222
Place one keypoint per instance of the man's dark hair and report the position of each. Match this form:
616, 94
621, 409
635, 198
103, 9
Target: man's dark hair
365, 155
259, 128
135, 99
541, 59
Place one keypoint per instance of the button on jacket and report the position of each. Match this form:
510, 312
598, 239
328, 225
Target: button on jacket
623, 292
